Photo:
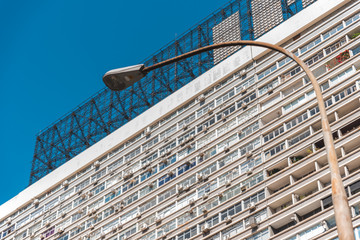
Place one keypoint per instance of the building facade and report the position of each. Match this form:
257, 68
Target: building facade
235, 154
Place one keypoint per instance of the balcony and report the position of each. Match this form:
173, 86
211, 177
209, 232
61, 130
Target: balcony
340, 58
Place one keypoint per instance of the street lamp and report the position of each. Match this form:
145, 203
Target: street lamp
122, 78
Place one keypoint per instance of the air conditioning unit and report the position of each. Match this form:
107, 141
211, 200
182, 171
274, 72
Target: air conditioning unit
221, 195
116, 208
119, 226
114, 229
60, 230
227, 182
192, 202
243, 90
243, 188
187, 139
113, 190
205, 177
201, 154
324, 225
205, 196
201, 98
244, 105
205, 128
79, 211
150, 184
83, 196
149, 169
205, 228
204, 210
36, 202
249, 154
180, 188
144, 227
252, 222
47, 223
96, 164
191, 210
226, 149
90, 194
158, 220
252, 206
63, 214
228, 219
95, 182
226, 238
187, 188
128, 174
65, 183
185, 126
199, 177
210, 110
138, 215
147, 131
146, 165
249, 171
164, 161
171, 173
102, 235
239, 131
32, 234
168, 151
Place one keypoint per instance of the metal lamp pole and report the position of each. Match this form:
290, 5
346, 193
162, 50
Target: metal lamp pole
122, 78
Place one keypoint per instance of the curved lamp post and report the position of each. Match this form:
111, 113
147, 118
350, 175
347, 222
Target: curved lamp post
119, 79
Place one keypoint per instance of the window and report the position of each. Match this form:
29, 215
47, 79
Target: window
254, 198
246, 99
187, 120
231, 211
148, 205
257, 178
273, 133
299, 137
107, 227
77, 230
82, 185
314, 58
129, 215
167, 211
167, 177
166, 228
96, 176
144, 191
187, 234
208, 170
204, 109
115, 164
66, 194
206, 139
333, 31
226, 127
290, 73
310, 45
167, 147
352, 19
208, 205
150, 143
98, 189
165, 195
233, 230
132, 154
247, 115
235, 190
259, 217
272, 151
250, 146
284, 61
205, 124
292, 123
133, 182
245, 84
338, 78
267, 72
183, 168
227, 142
206, 188
226, 112
263, 235
251, 163
335, 46
297, 102
268, 86
37, 212
225, 97
133, 197
167, 132
228, 159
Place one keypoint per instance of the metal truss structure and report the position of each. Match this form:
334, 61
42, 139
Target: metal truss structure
107, 111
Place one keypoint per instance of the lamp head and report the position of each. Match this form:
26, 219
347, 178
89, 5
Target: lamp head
122, 78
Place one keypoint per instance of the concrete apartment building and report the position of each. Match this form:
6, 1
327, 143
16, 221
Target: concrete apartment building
237, 153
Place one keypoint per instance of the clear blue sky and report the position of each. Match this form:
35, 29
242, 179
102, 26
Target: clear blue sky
54, 53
